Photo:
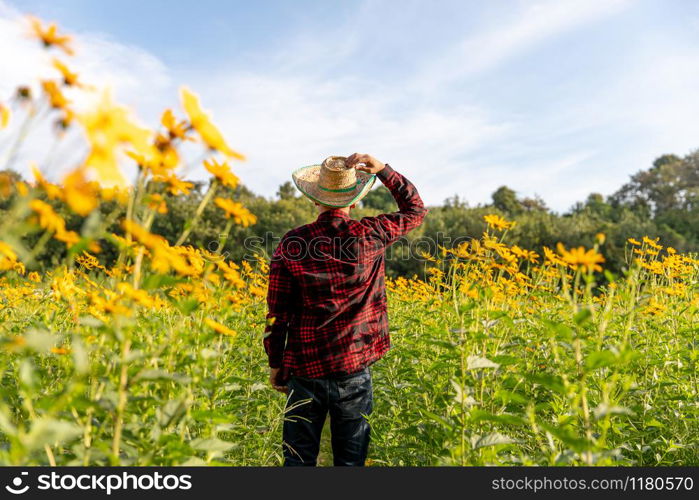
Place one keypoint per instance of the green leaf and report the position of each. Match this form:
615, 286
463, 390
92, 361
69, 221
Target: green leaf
610, 277
567, 436
40, 341
504, 359
477, 362
582, 316
604, 409
193, 462
510, 396
552, 382
49, 431
463, 394
171, 412
187, 306
28, 377
442, 421
654, 423
158, 374
478, 415
90, 321
80, 357
492, 439
468, 306
153, 281
212, 445
558, 330
6, 425
600, 359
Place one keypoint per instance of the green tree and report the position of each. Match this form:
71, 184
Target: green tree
505, 199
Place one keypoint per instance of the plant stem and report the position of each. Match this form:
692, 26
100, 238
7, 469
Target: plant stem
224, 236
141, 251
121, 402
200, 209
43, 241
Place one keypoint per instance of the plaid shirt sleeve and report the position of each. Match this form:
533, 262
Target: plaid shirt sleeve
411, 209
280, 300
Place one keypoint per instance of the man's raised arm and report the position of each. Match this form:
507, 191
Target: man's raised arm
411, 210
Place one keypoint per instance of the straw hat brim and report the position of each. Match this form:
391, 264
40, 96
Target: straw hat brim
306, 180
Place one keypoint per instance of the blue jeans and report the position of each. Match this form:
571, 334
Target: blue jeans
347, 398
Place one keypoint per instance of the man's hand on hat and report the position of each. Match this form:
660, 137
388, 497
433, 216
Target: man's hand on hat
365, 163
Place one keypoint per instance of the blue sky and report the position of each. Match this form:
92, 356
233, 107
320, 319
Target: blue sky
553, 98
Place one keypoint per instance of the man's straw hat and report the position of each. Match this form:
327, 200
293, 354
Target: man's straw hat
333, 183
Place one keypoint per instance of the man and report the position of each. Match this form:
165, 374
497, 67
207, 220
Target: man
327, 320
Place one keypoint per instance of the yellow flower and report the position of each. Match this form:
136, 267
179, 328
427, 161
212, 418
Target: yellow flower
115, 193
164, 257
4, 116
141, 297
140, 234
219, 328
634, 242
652, 243
7, 251
222, 172
600, 238
157, 202
579, 257
69, 78
176, 129
175, 184
7, 182
56, 97
159, 162
34, 276
497, 222
22, 188
48, 219
88, 261
53, 191
201, 122
50, 37
64, 121
60, 350
109, 305
81, 195
108, 127
551, 256
70, 238
528, 255
230, 273
654, 308
238, 212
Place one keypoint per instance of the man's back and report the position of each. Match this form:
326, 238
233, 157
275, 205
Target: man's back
327, 296
327, 318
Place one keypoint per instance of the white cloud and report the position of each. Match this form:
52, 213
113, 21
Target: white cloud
299, 113
298, 104
511, 32
137, 78
286, 123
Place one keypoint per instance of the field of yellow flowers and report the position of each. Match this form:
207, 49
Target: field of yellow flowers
503, 356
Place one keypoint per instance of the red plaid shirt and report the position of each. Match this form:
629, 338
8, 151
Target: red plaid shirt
327, 297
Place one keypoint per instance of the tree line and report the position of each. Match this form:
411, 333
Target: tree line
661, 201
